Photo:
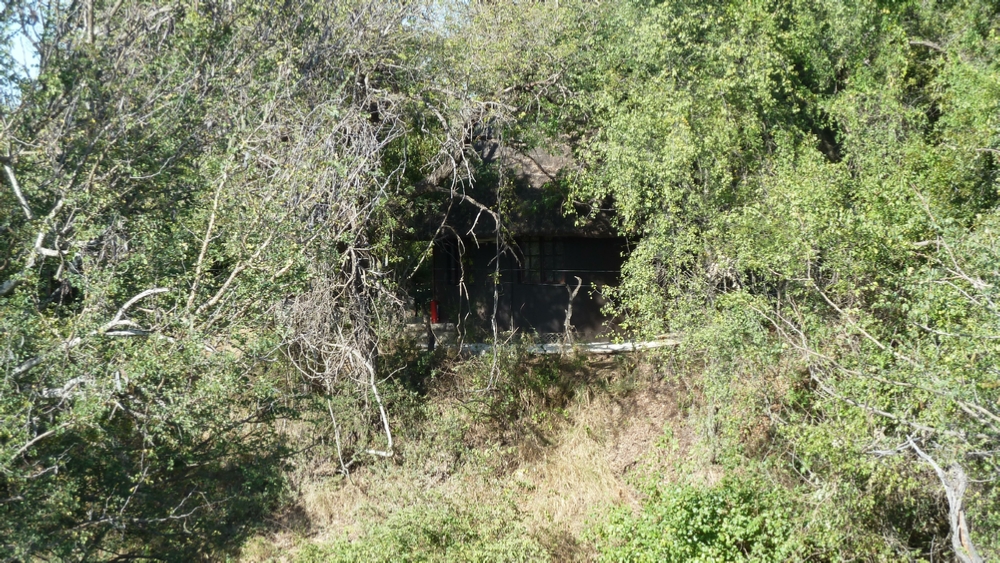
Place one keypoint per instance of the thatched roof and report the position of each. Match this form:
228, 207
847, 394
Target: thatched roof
539, 208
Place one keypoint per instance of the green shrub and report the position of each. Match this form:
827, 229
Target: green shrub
733, 521
437, 532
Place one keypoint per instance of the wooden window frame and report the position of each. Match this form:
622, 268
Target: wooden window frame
544, 261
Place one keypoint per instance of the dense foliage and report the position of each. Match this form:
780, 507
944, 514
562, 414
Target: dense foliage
208, 215
197, 209
437, 532
813, 191
730, 522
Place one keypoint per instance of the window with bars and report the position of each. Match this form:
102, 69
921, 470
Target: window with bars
543, 261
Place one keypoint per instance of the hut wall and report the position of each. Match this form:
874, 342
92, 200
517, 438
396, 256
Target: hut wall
534, 283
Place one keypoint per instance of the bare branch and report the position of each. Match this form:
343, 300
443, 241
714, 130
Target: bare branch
232, 276
117, 321
482, 208
954, 484
862, 330
17, 191
26, 366
336, 437
37, 439
9, 286
569, 309
388, 452
199, 265
105, 330
929, 44
957, 335
801, 343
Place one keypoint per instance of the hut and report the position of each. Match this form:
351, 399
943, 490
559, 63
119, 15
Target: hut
541, 269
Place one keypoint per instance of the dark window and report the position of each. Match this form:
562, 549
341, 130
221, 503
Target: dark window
543, 261
453, 262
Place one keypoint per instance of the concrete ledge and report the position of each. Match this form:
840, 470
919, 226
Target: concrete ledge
562, 348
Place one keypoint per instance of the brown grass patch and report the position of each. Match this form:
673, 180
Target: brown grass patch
586, 441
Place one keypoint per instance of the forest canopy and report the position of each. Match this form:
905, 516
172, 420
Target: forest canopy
210, 215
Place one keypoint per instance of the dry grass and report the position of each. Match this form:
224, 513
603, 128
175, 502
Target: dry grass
585, 446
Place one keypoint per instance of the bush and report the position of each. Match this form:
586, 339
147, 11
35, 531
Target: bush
440, 531
733, 521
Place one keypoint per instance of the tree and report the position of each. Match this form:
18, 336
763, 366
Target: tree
810, 186
199, 197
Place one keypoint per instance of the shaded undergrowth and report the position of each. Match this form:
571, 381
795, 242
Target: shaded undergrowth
515, 471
